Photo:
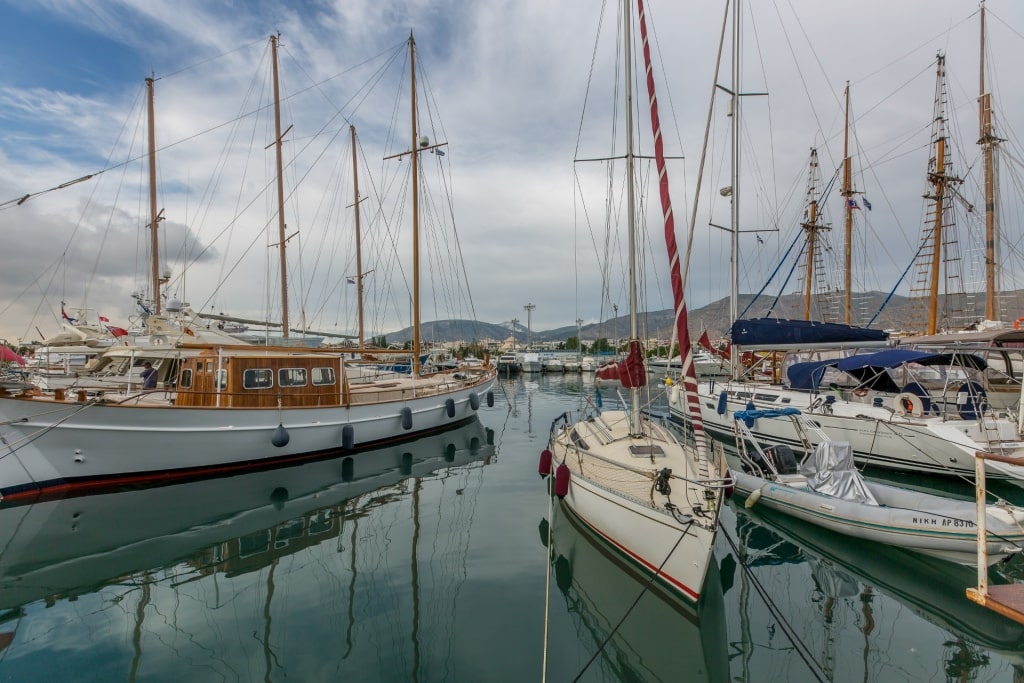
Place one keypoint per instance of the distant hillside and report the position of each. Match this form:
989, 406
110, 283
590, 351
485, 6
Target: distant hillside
900, 313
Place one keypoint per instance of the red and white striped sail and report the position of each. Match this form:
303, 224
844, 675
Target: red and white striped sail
689, 374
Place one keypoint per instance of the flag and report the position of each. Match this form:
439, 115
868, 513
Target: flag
104, 319
351, 280
117, 331
705, 341
852, 203
440, 152
64, 314
867, 204
760, 240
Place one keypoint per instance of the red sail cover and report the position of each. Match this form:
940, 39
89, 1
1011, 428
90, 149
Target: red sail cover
682, 330
630, 371
705, 341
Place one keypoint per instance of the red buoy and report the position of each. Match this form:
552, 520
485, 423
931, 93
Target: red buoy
545, 464
562, 480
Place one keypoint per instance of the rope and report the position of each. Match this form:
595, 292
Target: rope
798, 645
547, 585
629, 611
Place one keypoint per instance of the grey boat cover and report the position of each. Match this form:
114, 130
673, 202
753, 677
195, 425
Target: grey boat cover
832, 472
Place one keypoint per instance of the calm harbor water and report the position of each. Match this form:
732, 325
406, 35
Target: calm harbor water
440, 560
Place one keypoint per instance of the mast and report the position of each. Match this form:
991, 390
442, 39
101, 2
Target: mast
359, 253
734, 255
847, 194
415, 214
811, 226
988, 142
154, 218
634, 392
939, 181
280, 191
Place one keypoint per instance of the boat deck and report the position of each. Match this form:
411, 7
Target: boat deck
1007, 600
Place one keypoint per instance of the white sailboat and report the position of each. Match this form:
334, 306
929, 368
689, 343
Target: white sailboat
231, 408
653, 499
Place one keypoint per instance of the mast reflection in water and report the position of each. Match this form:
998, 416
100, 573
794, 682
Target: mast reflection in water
240, 578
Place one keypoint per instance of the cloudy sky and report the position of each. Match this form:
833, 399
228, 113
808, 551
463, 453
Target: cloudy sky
506, 83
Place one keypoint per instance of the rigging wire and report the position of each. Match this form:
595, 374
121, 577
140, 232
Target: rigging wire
801, 648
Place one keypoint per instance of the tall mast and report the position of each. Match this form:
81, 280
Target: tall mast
415, 214
634, 332
811, 226
359, 253
154, 218
847, 194
939, 181
988, 142
734, 255
280, 192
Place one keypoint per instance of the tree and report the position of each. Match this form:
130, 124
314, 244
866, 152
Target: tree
572, 343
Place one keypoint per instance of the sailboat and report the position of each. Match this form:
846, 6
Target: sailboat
642, 635
911, 410
231, 407
624, 475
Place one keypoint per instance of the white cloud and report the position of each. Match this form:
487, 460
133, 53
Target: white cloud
508, 79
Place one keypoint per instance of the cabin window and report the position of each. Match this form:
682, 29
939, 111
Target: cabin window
291, 377
209, 366
260, 378
323, 376
222, 379
186, 378
767, 398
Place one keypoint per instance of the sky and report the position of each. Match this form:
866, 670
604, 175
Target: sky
514, 89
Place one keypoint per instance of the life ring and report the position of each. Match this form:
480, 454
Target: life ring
1017, 322
908, 404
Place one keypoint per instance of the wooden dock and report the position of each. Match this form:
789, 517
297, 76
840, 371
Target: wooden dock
1004, 599
1007, 600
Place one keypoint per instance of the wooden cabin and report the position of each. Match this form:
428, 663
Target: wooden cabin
260, 380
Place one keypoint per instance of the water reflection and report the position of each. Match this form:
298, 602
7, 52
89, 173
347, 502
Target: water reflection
221, 577
632, 630
859, 589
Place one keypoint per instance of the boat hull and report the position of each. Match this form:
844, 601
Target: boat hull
618, 505
933, 525
879, 438
52, 446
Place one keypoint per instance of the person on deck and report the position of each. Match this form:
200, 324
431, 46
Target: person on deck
148, 376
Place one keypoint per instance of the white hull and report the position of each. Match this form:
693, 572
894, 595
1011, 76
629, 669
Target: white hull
65, 546
59, 444
661, 636
933, 525
879, 437
610, 492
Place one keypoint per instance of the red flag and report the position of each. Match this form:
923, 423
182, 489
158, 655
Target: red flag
104, 319
117, 331
705, 341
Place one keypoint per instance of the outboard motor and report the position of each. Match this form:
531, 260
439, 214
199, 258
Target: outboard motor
781, 457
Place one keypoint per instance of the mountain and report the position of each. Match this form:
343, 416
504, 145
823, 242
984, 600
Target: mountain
900, 313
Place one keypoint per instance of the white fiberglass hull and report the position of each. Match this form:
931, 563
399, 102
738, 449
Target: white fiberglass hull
879, 437
50, 444
71, 544
612, 493
934, 525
